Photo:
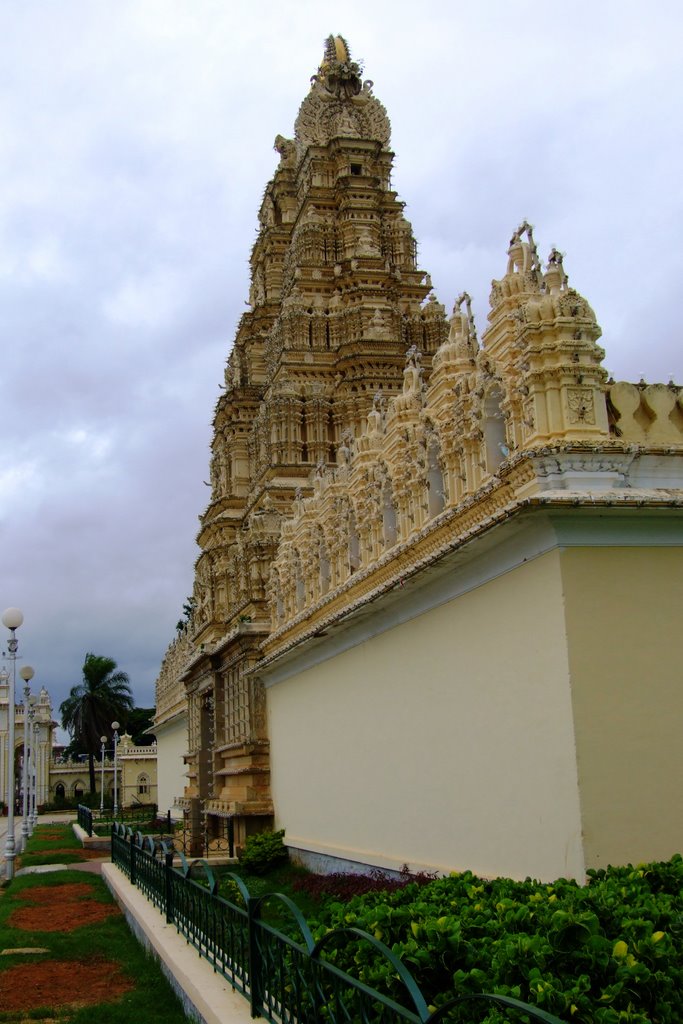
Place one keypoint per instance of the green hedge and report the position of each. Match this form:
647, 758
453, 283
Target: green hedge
263, 852
609, 952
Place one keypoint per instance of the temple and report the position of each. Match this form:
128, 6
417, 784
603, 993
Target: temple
431, 618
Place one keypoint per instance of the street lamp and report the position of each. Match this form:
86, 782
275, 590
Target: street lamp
103, 741
4, 678
26, 674
33, 767
115, 726
12, 618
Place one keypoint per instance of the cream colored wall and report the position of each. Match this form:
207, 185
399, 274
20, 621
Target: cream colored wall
446, 742
623, 608
132, 768
171, 748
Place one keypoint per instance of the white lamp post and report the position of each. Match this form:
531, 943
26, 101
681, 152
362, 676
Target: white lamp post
26, 674
115, 726
12, 618
4, 678
103, 741
33, 768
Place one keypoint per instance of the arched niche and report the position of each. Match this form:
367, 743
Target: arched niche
388, 515
277, 594
354, 544
436, 497
300, 586
323, 564
495, 438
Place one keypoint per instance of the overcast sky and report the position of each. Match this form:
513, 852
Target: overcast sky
135, 142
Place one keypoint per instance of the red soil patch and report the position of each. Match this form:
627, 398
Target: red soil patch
49, 893
60, 908
74, 851
61, 983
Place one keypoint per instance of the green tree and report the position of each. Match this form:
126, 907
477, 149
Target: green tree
104, 696
137, 721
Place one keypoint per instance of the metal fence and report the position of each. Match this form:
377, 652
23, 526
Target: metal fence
92, 820
287, 980
219, 840
198, 841
84, 817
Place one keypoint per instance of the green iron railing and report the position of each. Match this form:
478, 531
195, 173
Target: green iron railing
287, 981
198, 841
84, 817
91, 820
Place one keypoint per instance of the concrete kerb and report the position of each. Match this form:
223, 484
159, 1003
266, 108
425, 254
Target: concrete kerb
206, 995
91, 842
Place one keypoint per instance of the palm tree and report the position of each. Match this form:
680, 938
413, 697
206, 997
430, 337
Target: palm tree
88, 711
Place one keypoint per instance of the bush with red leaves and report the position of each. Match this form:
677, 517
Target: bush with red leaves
340, 886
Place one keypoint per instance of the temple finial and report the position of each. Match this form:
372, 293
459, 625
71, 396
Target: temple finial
338, 73
337, 49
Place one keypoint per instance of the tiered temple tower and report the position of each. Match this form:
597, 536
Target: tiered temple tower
397, 510
336, 299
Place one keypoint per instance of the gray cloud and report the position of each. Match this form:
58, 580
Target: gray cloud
135, 141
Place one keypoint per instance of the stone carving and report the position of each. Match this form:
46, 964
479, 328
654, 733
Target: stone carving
581, 405
287, 150
523, 256
366, 245
650, 414
338, 104
462, 335
379, 327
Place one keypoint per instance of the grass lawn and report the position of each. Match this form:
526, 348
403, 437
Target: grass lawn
52, 844
84, 951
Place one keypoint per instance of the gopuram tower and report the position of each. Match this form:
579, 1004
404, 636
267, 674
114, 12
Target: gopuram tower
336, 299
432, 544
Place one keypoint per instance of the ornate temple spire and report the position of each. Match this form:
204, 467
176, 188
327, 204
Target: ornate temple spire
340, 103
335, 299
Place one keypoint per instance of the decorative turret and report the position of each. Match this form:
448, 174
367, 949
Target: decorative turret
560, 368
451, 400
542, 340
521, 281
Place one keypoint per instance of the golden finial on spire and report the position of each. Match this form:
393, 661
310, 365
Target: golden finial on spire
338, 73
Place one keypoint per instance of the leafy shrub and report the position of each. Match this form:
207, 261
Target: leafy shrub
229, 889
609, 952
263, 852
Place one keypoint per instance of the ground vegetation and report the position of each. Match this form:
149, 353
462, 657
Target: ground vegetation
68, 954
607, 952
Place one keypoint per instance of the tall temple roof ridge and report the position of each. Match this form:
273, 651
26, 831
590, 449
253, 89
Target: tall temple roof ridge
340, 103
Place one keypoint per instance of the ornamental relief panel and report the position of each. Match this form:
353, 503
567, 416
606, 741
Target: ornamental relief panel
580, 405
322, 118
